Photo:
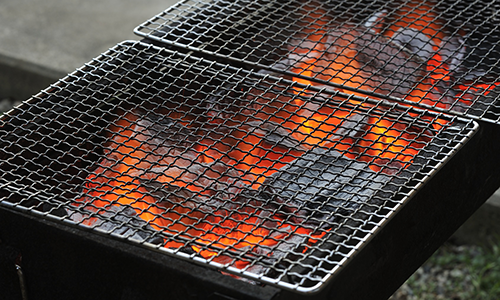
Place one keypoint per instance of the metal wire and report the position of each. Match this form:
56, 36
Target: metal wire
437, 54
254, 174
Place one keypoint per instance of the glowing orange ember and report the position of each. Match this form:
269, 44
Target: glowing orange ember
111, 183
246, 232
116, 181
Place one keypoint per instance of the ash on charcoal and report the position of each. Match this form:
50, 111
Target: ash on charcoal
381, 65
277, 258
119, 220
322, 186
223, 189
351, 127
155, 129
273, 134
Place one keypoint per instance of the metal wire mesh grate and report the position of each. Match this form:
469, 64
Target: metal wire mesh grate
437, 54
255, 175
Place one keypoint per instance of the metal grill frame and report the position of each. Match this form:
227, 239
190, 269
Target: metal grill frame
15, 113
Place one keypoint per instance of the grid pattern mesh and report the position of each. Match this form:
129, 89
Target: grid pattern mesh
437, 54
264, 178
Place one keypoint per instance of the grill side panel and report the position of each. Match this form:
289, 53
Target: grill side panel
61, 262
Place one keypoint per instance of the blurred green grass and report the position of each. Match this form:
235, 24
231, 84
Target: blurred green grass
456, 272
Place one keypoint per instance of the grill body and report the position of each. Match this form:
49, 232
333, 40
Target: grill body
228, 86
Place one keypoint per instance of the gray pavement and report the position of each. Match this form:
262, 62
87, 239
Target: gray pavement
61, 35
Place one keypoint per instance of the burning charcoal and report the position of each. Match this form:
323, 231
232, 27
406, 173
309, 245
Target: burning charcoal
377, 21
169, 195
165, 139
210, 187
260, 102
352, 127
276, 257
141, 140
355, 57
228, 102
444, 64
255, 235
355, 130
419, 30
118, 220
259, 141
322, 186
389, 69
143, 147
274, 134
155, 130
415, 41
453, 51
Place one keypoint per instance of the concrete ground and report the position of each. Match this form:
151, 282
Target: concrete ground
64, 34
43, 40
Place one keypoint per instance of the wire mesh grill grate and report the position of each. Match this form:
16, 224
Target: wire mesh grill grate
261, 177
435, 54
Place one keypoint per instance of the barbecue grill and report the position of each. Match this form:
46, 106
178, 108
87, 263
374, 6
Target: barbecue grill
254, 149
